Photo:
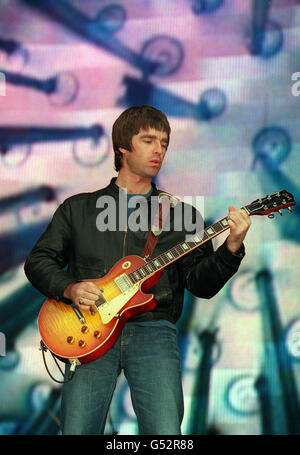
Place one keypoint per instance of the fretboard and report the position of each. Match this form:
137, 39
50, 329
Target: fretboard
178, 251
263, 206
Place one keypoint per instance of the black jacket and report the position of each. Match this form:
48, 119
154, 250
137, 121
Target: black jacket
72, 239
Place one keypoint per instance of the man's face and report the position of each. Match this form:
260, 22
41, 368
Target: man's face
147, 153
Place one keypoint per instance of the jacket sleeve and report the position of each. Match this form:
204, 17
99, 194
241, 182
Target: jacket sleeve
45, 263
205, 272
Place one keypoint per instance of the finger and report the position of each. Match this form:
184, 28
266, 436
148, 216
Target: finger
92, 288
232, 213
239, 217
84, 303
246, 217
88, 288
243, 219
230, 223
82, 306
232, 220
240, 214
237, 228
89, 296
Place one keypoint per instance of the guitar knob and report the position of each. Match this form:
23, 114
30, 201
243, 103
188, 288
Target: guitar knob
81, 343
84, 329
280, 212
289, 209
97, 334
92, 311
70, 340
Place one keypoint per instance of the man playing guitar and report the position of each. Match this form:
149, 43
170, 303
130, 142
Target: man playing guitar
147, 348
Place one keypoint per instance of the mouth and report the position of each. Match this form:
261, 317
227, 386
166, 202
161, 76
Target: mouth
156, 163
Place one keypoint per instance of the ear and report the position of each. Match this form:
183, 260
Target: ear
122, 150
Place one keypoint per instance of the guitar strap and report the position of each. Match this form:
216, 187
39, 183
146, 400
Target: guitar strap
165, 201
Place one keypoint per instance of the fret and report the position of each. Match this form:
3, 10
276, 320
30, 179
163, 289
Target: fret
205, 236
191, 244
136, 275
185, 246
249, 207
148, 267
210, 231
180, 249
175, 252
198, 237
165, 258
157, 263
133, 280
153, 266
162, 260
142, 271
224, 222
217, 228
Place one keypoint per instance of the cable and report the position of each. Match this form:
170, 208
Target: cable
72, 368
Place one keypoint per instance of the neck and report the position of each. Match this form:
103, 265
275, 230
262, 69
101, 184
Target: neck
134, 184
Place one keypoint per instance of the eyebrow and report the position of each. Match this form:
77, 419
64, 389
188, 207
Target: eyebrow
153, 136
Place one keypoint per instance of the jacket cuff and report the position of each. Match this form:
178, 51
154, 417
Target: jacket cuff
60, 288
229, 258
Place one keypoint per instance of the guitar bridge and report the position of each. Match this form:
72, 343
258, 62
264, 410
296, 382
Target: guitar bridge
101, 301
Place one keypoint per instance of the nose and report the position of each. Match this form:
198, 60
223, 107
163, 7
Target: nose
158, 147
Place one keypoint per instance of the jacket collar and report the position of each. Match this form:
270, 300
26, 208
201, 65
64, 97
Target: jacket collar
116, 189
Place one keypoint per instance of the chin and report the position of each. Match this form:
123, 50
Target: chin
150, 175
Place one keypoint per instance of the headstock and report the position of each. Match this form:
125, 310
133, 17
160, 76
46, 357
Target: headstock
269, 204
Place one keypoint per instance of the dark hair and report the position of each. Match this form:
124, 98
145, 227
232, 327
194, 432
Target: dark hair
130, 122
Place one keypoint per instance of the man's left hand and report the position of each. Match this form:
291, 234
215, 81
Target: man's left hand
239, 223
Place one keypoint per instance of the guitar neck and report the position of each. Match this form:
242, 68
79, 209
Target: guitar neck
264, 206
180, 250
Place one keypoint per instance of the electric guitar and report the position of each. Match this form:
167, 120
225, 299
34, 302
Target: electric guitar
81, 337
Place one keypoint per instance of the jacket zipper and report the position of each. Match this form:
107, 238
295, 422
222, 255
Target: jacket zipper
124, 242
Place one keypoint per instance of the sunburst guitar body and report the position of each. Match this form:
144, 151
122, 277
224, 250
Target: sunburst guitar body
86, 335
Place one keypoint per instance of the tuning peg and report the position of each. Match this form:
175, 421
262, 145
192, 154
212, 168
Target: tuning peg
280, 212
289, 209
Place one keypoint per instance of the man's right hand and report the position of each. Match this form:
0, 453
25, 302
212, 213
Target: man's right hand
85, 291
